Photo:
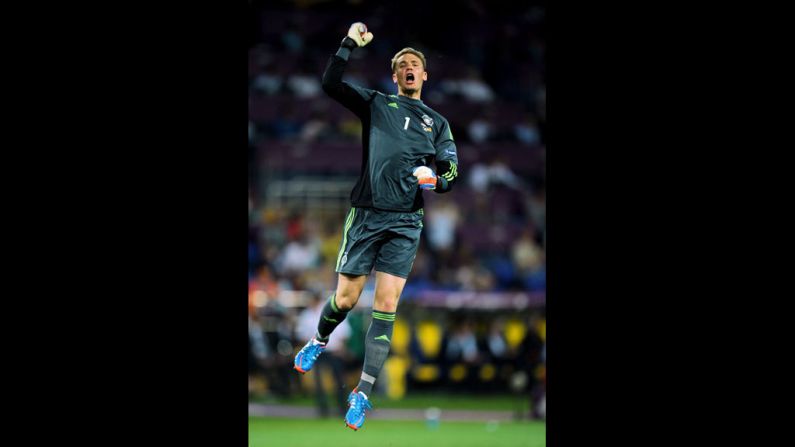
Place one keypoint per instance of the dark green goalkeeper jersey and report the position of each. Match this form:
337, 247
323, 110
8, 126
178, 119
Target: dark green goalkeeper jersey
398, 135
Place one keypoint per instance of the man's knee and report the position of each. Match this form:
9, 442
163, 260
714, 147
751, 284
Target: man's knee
349, 289
346, 299
387, 300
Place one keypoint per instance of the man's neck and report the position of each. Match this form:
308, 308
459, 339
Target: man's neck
416, 94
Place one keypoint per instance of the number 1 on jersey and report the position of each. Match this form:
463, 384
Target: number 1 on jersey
407, 124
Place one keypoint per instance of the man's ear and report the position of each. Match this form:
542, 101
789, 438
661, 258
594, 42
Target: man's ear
394, 78
424, 75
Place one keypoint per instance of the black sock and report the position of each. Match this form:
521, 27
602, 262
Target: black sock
329, 319
376, 349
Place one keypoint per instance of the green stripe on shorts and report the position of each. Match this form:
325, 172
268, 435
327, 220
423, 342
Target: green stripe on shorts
348, 223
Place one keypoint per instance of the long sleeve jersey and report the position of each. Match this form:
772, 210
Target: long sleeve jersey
398, 135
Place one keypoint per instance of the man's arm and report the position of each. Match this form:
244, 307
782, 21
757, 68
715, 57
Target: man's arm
446, 159
356, 99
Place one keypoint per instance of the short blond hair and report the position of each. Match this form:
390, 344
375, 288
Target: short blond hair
409, 50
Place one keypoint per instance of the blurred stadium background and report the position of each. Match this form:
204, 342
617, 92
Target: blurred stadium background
470, 333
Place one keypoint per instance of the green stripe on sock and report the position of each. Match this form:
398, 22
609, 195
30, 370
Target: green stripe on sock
331, 300
384, 317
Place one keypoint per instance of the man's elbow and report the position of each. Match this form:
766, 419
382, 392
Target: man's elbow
330, 86
327, 85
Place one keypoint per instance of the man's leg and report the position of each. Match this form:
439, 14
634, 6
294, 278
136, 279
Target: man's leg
376, 345
398, 240
349, 288
393, 265
379, 335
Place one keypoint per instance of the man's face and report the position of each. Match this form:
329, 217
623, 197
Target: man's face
409, 73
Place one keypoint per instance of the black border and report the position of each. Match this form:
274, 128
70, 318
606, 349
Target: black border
150, 198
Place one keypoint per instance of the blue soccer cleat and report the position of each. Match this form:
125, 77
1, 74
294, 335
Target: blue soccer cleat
357, 405
307, 356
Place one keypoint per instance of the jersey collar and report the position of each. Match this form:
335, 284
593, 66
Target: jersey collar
407, 99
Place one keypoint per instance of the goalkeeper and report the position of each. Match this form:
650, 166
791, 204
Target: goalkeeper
401, 138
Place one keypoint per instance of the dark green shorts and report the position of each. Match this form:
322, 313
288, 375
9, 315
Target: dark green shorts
385, 240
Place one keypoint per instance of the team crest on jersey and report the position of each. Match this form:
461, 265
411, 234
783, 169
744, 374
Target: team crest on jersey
428, 122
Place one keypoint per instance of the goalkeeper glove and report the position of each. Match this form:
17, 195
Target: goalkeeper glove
426, 177
357, 36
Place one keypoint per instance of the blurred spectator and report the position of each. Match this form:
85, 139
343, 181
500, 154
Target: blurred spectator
292, 39
481, 128
462, 345
262, 286
350, 127
443, 220
422, 271
267, 83
461, 353
304, 86
527, 131
496, 346
316, 128
474, 89
270, 326
258, 353
473, 277
540, 407
530, 360
300, 254
528, 258
330, 242
536, 204
286, 126
526, 254
482, 176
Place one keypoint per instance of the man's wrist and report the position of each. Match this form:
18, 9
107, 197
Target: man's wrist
348, 43
346, 47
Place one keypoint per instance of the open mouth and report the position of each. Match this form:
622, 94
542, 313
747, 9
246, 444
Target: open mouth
410, 78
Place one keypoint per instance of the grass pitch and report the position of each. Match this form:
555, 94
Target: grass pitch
266, 432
